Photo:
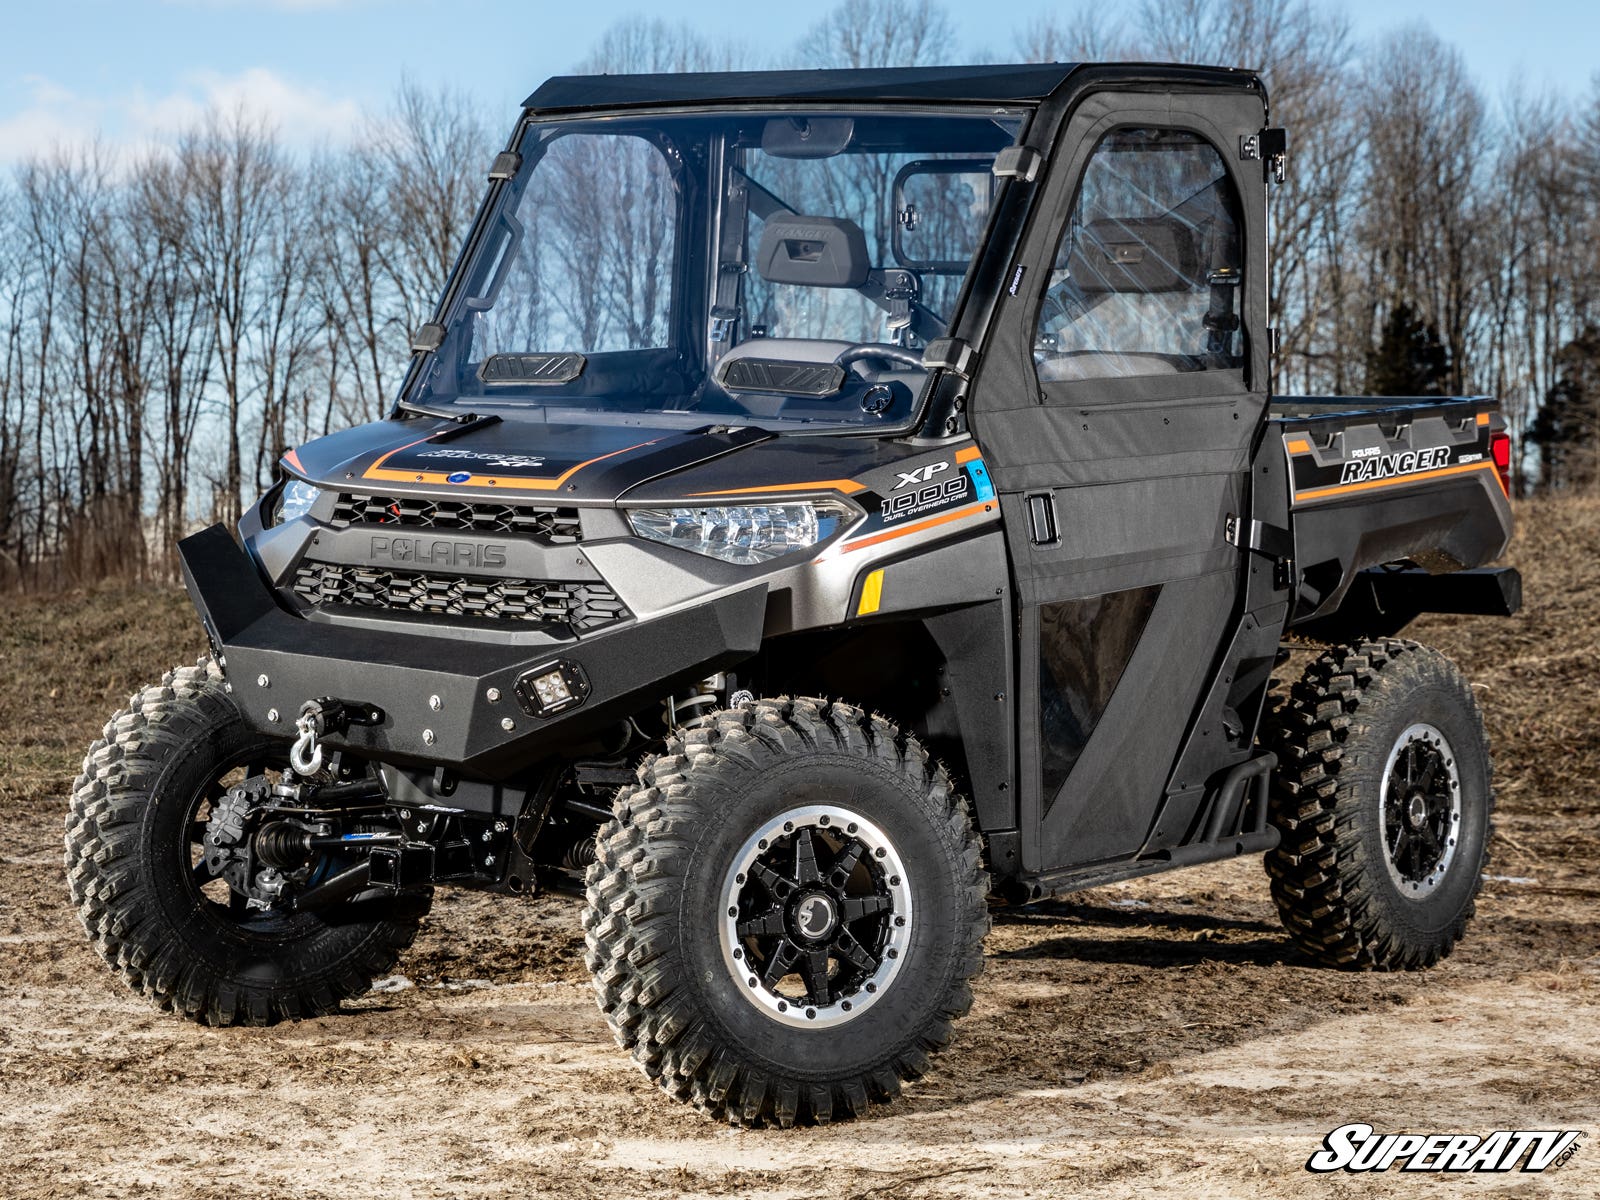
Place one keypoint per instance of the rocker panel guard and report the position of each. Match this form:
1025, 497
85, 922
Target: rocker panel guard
401, 671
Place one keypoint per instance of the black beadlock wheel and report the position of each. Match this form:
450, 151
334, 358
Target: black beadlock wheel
785, 913
1383, 800
160, 915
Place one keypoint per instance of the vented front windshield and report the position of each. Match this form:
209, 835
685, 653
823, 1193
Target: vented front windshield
782, 269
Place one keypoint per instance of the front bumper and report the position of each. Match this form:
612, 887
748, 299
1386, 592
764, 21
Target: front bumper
434, 692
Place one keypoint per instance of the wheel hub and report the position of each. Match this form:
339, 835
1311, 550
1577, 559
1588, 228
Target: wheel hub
1420, 804
816, 916
1416, 810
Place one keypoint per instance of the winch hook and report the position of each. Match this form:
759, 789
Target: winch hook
321, 717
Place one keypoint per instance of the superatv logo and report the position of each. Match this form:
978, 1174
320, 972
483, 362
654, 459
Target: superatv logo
1374, 464
1358, 1147
426, 552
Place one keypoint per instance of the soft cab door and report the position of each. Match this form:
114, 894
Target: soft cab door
1123, 385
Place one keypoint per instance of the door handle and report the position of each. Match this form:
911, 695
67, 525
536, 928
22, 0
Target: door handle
1042, 519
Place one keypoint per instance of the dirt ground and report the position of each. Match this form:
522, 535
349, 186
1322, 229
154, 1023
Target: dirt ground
1153, 1038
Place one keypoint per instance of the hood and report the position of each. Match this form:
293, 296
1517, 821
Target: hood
575, 463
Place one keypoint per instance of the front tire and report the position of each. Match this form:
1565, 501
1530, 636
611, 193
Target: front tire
785, 913
1383, 802
181, 938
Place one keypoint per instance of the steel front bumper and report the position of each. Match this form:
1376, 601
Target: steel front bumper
435, 691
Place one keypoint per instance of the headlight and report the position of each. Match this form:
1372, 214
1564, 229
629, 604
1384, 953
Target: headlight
745, 533
294, 501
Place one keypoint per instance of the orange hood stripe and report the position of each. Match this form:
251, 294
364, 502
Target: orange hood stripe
970, 510
848, 486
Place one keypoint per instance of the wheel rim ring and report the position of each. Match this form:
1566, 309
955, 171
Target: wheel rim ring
1394, 800
897, 936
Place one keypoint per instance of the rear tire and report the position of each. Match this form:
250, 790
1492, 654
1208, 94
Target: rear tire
1383, 800
130, 840
800, 841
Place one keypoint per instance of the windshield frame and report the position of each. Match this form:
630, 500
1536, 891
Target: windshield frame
696, 254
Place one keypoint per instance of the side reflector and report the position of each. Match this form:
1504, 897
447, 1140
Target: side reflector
871, 593
1500, 451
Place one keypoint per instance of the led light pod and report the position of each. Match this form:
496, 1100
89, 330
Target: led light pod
552, 688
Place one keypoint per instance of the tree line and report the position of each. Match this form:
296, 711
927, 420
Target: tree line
174, 322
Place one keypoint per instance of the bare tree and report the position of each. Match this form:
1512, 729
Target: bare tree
1427, 141
1088, 33
636, 46
430, 155
880, 33
229, 167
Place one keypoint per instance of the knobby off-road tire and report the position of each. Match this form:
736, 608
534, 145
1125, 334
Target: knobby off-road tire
131, 826
665, 977
1377, 869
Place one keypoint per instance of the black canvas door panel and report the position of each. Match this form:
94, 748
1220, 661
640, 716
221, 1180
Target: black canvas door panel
1135, 532
1084, 647
1116, 781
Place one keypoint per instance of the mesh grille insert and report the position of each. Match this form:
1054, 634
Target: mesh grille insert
548, 524
582, 607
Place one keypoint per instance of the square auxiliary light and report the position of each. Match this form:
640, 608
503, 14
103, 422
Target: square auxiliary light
553, 688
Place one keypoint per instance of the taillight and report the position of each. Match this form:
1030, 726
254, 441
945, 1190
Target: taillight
1500, 451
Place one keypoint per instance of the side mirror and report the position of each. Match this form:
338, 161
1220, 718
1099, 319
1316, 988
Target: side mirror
941, 206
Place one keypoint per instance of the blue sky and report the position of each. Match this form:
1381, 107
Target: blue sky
137, 68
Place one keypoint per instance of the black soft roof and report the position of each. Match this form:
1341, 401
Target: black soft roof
985, 84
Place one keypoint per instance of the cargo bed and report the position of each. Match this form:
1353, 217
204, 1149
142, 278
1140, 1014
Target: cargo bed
1373, 481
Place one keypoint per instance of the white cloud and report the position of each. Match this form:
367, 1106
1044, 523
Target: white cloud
54, 116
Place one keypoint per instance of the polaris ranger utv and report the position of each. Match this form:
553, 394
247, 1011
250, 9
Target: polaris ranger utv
825, 503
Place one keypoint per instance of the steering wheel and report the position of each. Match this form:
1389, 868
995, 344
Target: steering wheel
882, 351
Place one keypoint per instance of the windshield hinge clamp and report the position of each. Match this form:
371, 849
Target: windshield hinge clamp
505, 166
427, 338
1021, 163
949, 354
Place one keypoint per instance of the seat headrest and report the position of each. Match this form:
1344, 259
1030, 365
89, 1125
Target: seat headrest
1136, 254
813, 251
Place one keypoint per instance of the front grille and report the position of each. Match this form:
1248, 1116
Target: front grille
582, 607
548, 524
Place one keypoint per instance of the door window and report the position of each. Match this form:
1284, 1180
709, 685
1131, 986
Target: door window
1148, 277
